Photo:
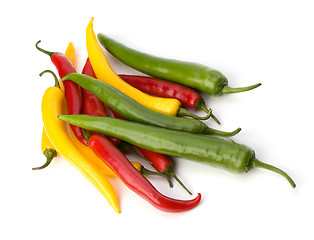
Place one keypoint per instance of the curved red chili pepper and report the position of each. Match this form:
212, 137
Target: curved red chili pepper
134, 180
72, 90
92, 105
159, 161
161, 88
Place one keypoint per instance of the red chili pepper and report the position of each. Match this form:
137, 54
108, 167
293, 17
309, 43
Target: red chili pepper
92, 105
161, 88
134, 180
159, 161
71, 89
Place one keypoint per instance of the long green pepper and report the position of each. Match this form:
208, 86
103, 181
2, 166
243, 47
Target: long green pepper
189, 74
131, 110
215, 151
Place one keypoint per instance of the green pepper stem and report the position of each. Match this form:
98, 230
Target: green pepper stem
211, 131
259, 164
124, 147
53, 74
86, 134
183, 112
49, 154
203, 107
181, 183
228, 90
170, 172
145, 171
44, 51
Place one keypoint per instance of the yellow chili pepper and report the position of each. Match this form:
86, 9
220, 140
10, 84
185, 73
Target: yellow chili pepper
105, 73
57, 131
46, 147
90, 155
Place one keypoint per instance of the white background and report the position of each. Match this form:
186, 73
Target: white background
249, 41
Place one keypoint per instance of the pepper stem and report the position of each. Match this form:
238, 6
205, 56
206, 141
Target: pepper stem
228, 90
180, 182
145, 171
211, 131
124, 147
44, 51
49, 154
259, 164
203, 107
169, 171
53, 74
183, 112
86, 134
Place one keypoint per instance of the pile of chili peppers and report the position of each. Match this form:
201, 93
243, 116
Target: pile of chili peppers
110, 115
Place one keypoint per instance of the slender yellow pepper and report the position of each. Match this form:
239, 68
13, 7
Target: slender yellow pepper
57, 131
105, 73
46, 147
90, 155
49, 150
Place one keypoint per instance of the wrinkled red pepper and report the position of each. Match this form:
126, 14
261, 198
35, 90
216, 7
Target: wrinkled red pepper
161, 88
72, 90
134, 180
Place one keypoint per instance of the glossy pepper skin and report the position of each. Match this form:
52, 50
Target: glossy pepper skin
218, 152
131, 110
71, 89
161, 88
46, 147
189, 74
92, 105
159, 161
70, 54
105, 73
134, 180
52, 106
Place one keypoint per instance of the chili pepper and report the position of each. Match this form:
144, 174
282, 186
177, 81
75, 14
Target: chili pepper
159, 161
92, 105
162, 164
134, 180
131, 110
147, 172
72, 90
161, 88
51, 107
189, 74
105, 73
70, 54
46, 147
215, 151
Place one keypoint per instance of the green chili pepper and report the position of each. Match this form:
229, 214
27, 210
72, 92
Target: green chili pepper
189, 74
131, 110
215, 151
